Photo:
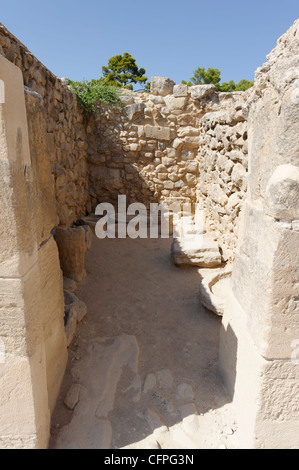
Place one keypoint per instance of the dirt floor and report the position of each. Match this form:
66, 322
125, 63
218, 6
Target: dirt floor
142, 370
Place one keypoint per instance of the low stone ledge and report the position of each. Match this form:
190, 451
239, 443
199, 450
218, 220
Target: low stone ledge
210, 300
197, 251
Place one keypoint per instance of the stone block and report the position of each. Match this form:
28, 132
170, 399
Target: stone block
72, 396
72, 247
52, 318
175, 104
158, 132
239, 176
180, 90
269, 388
162, 86
24, 407
214, 299
264, 280
199, 251
184, 131
218, 195
134, 111
18, 250
191, 142
200, 92
44, 197
282, 193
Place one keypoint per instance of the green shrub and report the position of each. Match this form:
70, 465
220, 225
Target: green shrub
91, 94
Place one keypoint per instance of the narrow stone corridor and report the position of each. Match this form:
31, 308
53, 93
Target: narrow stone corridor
142, 369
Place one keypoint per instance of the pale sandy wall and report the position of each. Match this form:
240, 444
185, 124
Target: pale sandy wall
260, 335
25, 380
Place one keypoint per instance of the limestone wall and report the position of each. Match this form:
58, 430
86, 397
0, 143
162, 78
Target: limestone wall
177, 143
258, 350
66, 138
44, 216
31, 303
223, 167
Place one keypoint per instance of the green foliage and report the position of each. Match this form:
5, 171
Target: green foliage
243, 85
122, 71
91, 93
228, 87
202, 76
147, 87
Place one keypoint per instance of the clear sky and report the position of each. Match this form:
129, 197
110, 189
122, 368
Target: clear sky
169, 38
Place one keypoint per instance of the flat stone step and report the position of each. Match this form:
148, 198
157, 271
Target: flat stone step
199, 251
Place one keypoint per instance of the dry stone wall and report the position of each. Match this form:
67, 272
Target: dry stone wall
177, 143
223, 169
66, 137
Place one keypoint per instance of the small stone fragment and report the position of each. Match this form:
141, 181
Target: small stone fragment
150, 383
185, 391
69, 284
165, 379
72, 397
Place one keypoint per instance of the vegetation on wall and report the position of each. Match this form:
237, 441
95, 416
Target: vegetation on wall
122, 72
91, 94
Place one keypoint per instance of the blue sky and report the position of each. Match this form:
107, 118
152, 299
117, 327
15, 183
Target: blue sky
167, 37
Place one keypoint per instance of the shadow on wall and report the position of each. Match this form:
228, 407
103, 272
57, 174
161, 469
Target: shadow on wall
135, 151
228, 363
113, 171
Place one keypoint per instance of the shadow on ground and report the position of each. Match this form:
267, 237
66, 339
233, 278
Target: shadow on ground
145, 356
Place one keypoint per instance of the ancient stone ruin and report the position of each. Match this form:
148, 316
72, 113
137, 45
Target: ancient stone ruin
235, 156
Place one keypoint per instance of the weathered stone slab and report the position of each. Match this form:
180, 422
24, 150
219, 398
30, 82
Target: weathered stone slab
259, 341
199, 251
174, 103
24, 407
199, 92
52, 317
282, 193
180, 90
214, 303
134, 111
77, 305
157, 132
162, 86
44, 196
72, 396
